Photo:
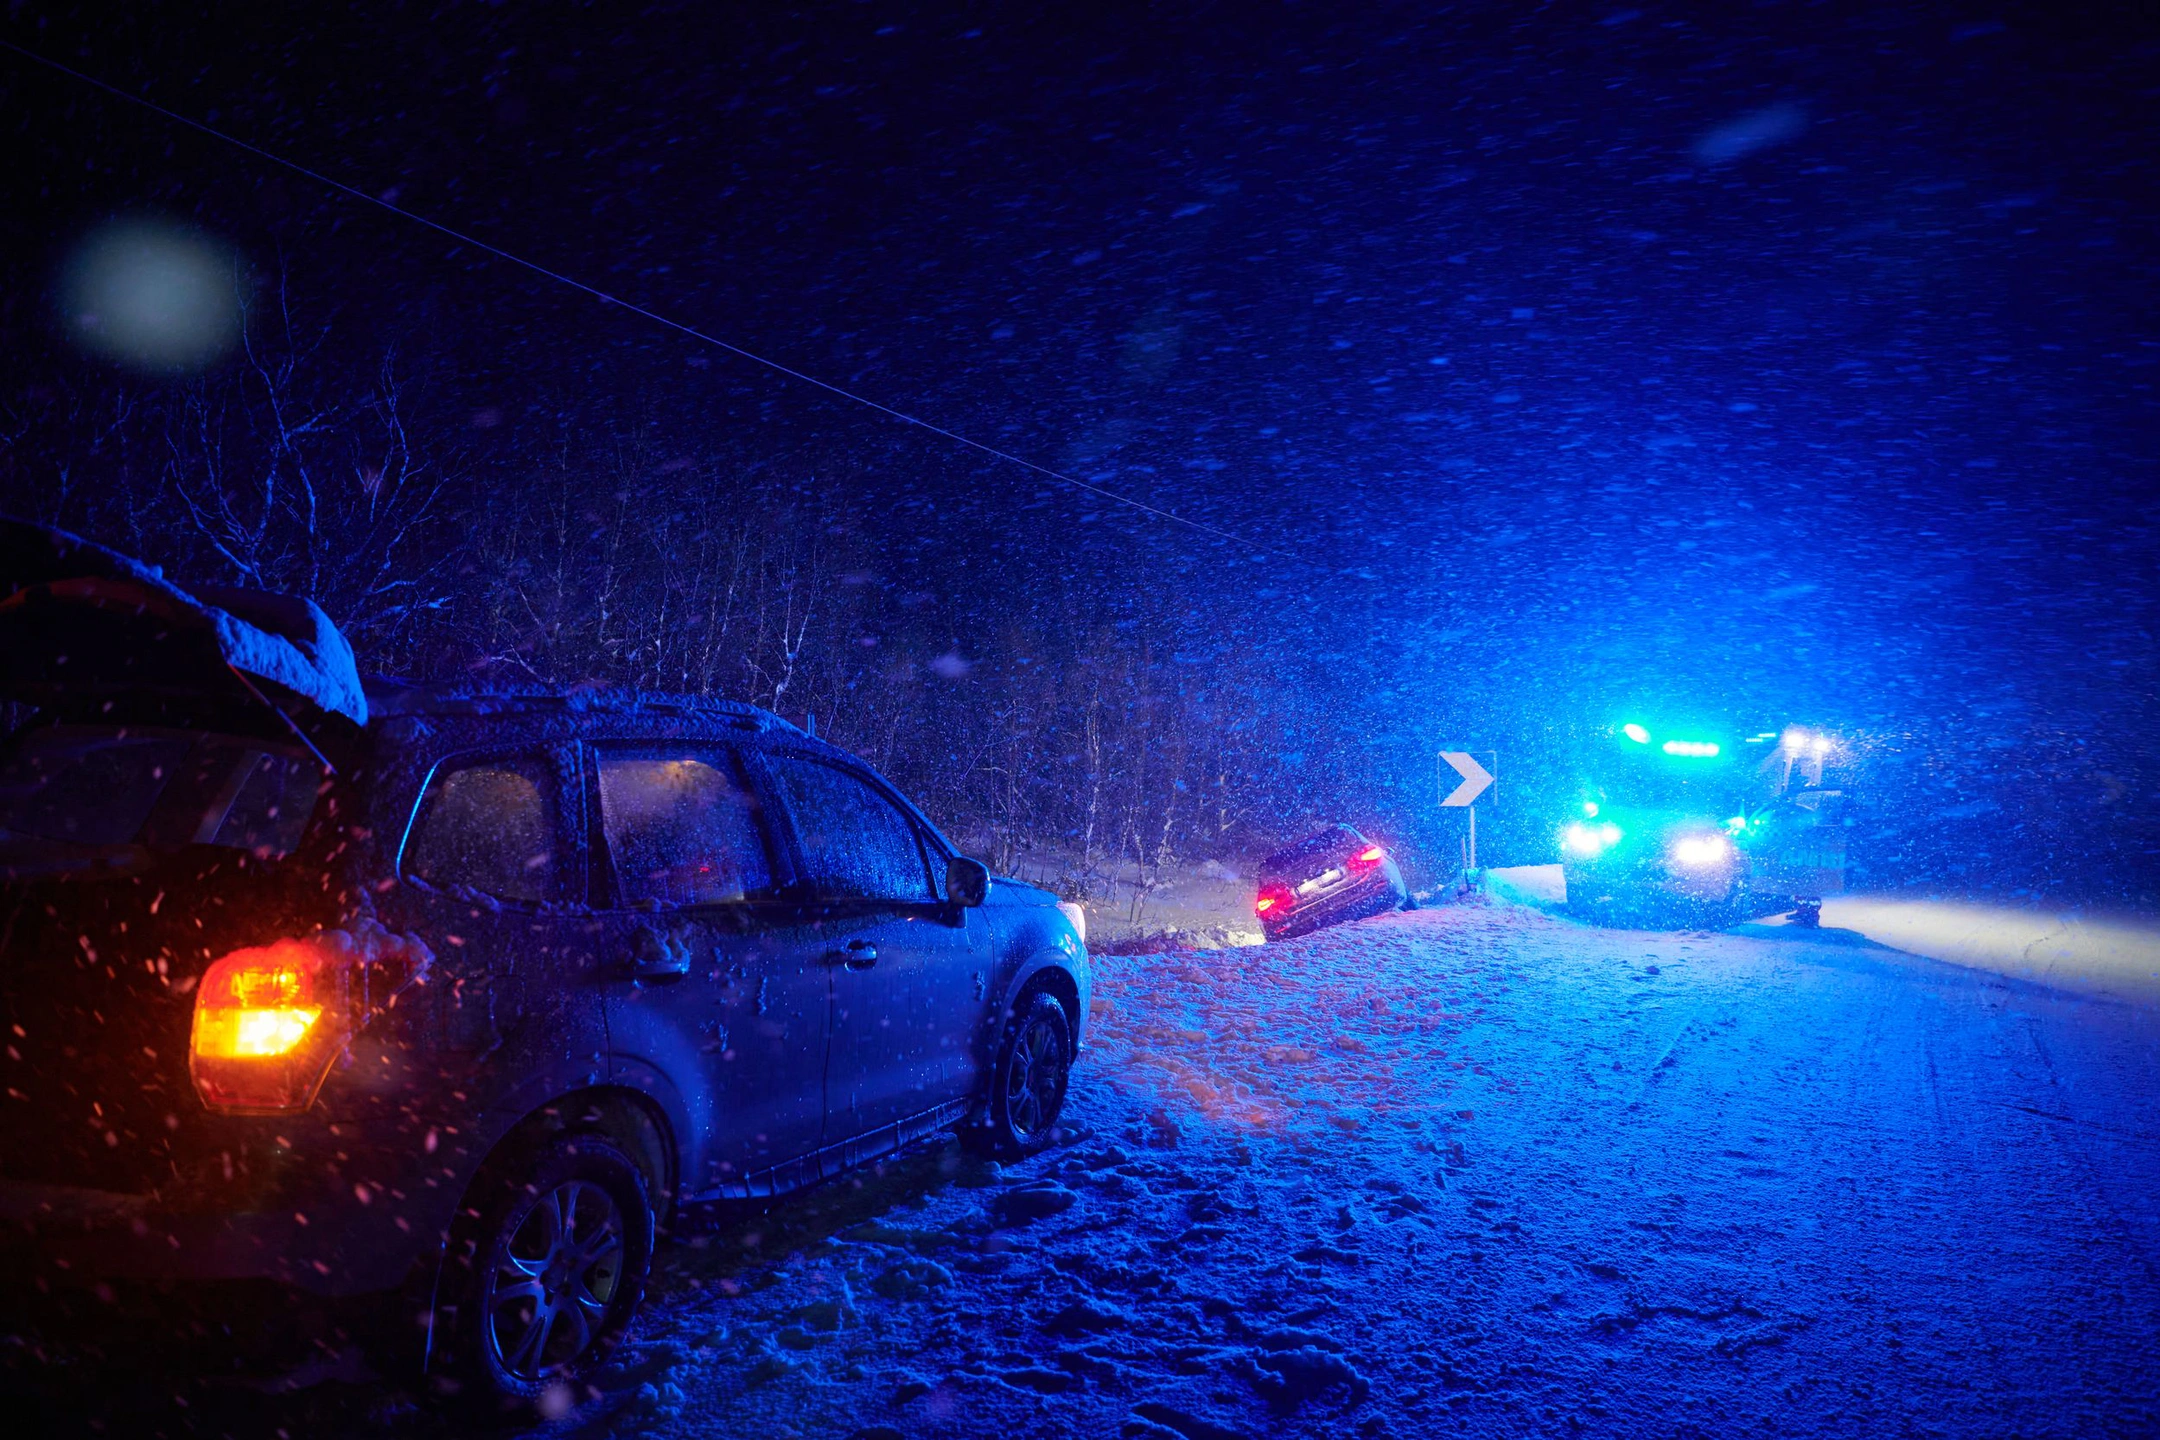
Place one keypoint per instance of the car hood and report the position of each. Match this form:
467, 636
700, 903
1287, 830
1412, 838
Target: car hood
1004, 890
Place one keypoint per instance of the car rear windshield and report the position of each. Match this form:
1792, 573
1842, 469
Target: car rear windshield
1312, 855
1649, 781
111, 785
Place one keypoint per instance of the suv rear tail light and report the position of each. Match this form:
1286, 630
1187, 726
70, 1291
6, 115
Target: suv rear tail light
1274, 900
271, 1018
1367, 858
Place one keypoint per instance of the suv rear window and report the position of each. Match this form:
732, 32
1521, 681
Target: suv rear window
682, 830
110, 785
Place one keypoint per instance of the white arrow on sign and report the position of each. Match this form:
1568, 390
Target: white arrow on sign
1475, 778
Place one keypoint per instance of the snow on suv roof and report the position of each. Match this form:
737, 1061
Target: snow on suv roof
388, 697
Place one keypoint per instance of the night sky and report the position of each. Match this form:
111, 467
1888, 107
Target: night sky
1790, 359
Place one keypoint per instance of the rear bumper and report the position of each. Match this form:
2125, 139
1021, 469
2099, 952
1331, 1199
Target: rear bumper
1380, 893
324, 1247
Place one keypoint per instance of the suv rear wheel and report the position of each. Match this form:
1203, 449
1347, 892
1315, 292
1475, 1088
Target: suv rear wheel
1027, 1082
563, 1250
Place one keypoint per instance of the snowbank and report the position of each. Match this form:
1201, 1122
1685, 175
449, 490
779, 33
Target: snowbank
2118, 957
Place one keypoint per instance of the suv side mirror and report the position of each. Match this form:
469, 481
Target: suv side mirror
967, 882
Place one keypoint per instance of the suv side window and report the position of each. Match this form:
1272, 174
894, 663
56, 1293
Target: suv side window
682, 829
856, 844
489, 825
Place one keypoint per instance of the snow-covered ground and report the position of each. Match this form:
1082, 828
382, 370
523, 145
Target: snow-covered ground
1485, 1169
2098, 954
1476, 1170
1205, 905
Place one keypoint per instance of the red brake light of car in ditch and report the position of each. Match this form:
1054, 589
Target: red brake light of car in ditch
1275, 900
269, 1019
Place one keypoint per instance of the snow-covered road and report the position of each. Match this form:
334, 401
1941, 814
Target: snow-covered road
1484, 1169
1476, 1170
2113, 957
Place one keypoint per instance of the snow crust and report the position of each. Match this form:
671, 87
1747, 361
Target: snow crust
1486, 1171
290, 641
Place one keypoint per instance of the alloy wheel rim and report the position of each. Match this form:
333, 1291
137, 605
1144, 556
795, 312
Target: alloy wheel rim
1036, 1079
554, 1280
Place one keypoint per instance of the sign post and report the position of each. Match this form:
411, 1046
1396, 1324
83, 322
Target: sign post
1469, 780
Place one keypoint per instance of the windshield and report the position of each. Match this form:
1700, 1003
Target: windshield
1646, 786
101, 786
1308, 856
1670, 768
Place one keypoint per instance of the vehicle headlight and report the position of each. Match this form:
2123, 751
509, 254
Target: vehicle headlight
1702, 850
1587, 840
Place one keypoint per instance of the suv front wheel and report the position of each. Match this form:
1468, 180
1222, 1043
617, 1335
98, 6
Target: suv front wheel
1027, 1082
562, 1252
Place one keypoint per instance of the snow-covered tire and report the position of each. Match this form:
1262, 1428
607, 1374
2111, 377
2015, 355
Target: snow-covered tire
557, 1262
1025, 1091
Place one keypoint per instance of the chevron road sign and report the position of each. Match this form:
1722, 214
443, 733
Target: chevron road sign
1475, 778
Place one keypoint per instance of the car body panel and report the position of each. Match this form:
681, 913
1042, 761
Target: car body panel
1641, 861
904, 1025
742, 1037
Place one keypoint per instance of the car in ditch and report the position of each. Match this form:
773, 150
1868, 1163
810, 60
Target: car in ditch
1325, 879
356, 992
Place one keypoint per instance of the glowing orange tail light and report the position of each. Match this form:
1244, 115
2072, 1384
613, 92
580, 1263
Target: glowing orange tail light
1369, 856
271, 1018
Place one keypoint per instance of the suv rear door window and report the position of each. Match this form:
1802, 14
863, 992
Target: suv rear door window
102, 786
681, 829
856, 844
270, 804
488, 826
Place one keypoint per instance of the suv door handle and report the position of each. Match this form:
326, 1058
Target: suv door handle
657, 957
858, 954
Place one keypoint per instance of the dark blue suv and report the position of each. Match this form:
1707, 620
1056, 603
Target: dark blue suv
458, 996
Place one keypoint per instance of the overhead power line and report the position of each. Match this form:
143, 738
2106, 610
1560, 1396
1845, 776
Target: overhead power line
608, 298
